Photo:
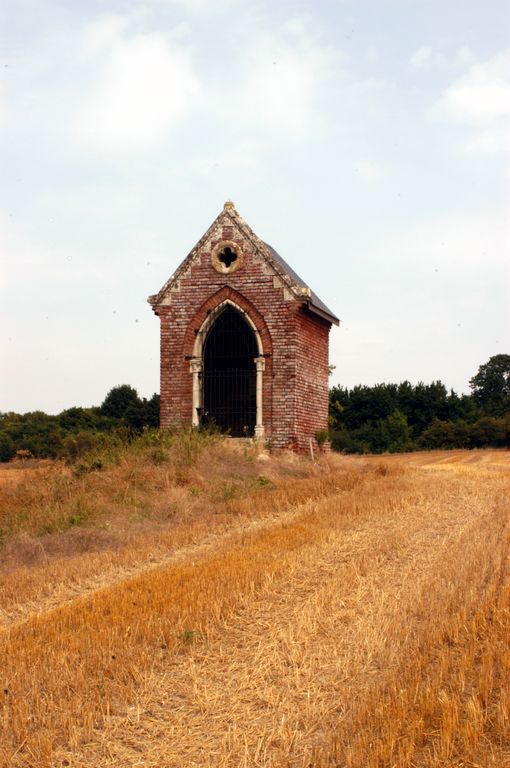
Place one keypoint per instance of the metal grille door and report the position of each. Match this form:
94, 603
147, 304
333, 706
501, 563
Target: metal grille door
229, 375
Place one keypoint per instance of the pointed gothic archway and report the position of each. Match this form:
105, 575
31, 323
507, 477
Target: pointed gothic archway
227, 367
229, 375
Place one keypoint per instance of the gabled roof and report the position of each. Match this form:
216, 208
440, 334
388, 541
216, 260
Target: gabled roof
315, 303
295, 284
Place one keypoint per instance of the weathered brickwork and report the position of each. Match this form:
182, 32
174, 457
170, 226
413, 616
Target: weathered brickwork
293, 329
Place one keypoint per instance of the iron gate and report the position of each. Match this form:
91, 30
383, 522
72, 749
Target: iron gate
229, 375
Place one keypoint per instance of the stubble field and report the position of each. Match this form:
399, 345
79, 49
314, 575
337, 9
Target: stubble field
239, 610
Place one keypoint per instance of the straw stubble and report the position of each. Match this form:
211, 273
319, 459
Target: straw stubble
366, 627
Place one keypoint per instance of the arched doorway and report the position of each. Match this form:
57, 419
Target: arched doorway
229, 374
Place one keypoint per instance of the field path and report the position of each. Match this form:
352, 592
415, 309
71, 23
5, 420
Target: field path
66, 592
268, 686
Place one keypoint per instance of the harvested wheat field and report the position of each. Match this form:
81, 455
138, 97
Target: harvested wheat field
258, 612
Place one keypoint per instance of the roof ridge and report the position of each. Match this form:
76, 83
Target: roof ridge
266, 249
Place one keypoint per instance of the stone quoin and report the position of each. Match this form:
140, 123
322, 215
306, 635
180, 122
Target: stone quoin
244, 341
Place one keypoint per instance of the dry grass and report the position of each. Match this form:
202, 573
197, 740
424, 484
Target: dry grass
357, 616
228, 490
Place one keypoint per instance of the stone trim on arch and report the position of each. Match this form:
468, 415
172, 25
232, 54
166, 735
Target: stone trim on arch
194, 346
242, 304
201, 334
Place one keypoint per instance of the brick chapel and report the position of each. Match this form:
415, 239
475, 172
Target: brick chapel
244, 340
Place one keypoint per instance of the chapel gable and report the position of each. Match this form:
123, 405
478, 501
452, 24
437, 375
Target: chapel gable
244, 340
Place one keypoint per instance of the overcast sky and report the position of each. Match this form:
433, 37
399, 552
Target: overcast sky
368, 142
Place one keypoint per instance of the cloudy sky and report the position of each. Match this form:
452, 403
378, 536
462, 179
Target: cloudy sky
367, 140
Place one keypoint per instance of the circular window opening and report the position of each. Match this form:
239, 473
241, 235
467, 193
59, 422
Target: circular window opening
226, 257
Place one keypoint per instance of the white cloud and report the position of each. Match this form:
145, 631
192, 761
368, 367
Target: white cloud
421, 56
368, 171
373, 84
481, 99
283, 79
38, 266
483, 94
464, 56
238, 158
372, 55
105, 32
489, 141
202, 6
425, 57
145, 84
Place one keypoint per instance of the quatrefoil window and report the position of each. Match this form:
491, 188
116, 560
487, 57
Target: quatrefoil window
227, 256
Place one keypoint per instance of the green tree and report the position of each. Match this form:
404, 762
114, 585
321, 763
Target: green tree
430, 401
368, 404
491, 385
76, 419
118, 400
144, 413
153, 411
461, 407
136, 416
36, 432
394, 432
405, 398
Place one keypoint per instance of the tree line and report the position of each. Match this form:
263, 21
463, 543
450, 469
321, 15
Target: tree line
403, 417
76, 430
382, 418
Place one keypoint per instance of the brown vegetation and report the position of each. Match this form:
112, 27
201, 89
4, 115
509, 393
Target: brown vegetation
352, 613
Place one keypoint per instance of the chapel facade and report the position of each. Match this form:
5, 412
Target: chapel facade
244, 341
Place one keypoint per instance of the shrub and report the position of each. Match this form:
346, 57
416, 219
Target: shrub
75, 447
490, 431
341, 440
440, 434
322, 436
7, 447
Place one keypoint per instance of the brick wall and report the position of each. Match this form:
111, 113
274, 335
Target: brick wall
312, 380
294, 341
